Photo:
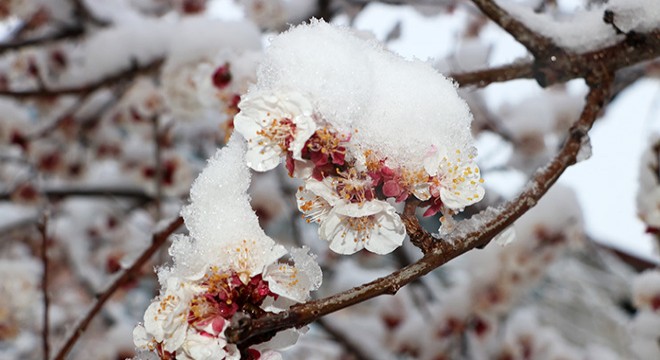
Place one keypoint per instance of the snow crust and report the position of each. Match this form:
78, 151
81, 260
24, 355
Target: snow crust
356, 85
219, 213
585, 30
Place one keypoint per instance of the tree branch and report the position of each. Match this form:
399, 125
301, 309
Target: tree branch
89, 192
83, 12
537, 44
62, 34
86, 89
413, 228
476, 232
564, 67
347, 343
483, 78
42, 226
157, 240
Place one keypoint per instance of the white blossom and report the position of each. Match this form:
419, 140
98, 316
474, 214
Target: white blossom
373, 225
457, 180
274, 123
165, 320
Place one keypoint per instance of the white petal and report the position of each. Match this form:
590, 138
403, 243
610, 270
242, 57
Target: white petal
305, 128
202, 347
342, 240
363, 209
140, 338
388, 236
263, 158
295, 282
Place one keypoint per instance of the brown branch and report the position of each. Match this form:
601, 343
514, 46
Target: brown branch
158, 166
83, 13
537, 44
70, 32
157, 240
413, 228
566, 66
54, 194
482, 78
111, 80
627, 52
42, 226
470, 234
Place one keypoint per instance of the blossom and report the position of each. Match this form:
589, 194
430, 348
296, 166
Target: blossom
204, 347
350, 217
295, 281
456, 180
373, 225
274, 123
165, 320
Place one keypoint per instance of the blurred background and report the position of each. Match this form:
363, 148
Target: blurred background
110, 109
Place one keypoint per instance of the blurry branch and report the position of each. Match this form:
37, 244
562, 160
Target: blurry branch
638, 263
54, 194
110, 80
537, 44
69, 32
157, 240
158, 166
324, 10
85, 14
470, 234
347, 343
42, 226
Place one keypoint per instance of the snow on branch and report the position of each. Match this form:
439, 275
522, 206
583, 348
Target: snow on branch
470, 234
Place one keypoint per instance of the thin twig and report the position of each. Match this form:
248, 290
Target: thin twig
413, 227
567, 66
88, 88
457, 244
537, 44
42, 226
89, 192
157, 240
83, 12
346, 342
482, 78
66, 33
158, 166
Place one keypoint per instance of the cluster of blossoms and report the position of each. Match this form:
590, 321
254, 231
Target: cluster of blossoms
350, 183
226, 266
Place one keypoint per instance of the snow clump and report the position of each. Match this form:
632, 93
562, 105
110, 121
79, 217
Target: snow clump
360, 125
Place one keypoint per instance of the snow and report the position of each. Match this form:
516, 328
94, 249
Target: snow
639, 15
353, 78
585, 31
219, 212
